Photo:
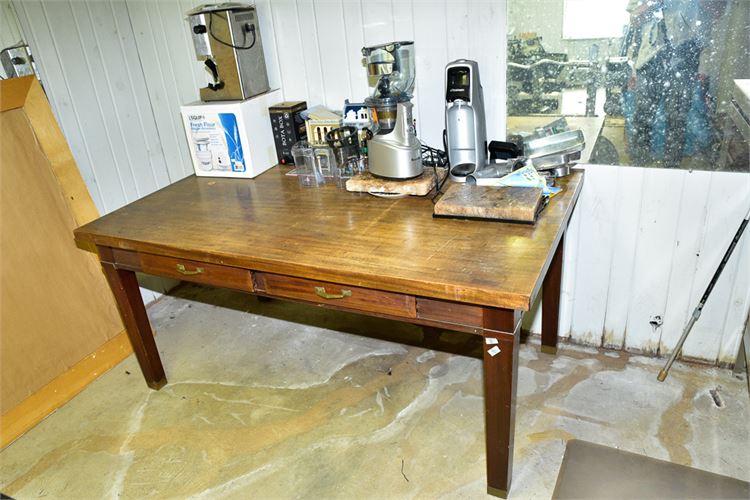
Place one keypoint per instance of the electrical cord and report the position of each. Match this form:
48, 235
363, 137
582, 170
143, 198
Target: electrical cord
435, 158
244, 34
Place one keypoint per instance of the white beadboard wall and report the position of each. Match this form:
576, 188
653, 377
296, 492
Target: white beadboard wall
642, 242
10, 32
645, 242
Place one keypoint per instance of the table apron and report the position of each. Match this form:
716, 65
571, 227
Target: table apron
456, 316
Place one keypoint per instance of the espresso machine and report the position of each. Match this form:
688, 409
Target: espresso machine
227, 39
466, 130
394, 151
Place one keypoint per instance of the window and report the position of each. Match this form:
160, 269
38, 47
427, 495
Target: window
587, 19
649, 82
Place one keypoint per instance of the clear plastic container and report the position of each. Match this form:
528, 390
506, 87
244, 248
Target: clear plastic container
314, 165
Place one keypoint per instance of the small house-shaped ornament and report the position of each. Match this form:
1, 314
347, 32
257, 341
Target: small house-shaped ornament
356, 114
319, 122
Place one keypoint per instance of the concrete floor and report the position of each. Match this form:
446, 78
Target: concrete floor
281, 400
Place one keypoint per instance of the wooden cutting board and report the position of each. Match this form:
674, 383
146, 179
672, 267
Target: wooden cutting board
419, 186
514, 204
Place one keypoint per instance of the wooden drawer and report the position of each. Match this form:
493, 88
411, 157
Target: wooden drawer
450, 312
339, 296
198, 272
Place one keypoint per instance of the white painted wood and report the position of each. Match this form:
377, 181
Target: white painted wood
311, 52
689, 234
288, 37
627, 216
432, 56
660, 204
354, 40
270, 53
727, 201
738, 309
10, 31
569, 276
332, 51
597, 206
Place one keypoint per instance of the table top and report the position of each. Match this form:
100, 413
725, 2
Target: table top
591, 126
271, 224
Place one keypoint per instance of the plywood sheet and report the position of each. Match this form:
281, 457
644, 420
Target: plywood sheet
56, 307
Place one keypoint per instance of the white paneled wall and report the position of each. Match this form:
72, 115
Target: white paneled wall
642, 242
645, 243
10, 32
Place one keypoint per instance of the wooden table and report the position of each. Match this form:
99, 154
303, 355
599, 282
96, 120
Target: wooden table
354, 252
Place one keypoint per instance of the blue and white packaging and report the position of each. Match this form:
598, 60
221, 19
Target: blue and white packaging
231, 138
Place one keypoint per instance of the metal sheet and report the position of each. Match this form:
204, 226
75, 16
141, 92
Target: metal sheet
592, 471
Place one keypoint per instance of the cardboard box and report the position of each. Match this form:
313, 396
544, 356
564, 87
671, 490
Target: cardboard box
231, 138
288, 127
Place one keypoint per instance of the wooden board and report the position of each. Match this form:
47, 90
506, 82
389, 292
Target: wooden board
419, 186
56, 306
271, 224
509, 204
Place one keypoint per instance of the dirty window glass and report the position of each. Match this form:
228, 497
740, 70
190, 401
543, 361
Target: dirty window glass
648, 82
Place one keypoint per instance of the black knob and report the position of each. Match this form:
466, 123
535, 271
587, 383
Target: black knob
199, 29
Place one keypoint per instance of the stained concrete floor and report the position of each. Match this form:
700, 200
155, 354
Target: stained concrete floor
282, 400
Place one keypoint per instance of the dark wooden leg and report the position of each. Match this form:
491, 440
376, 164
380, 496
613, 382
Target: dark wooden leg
431, 336
502, 329
551, 300
127, 294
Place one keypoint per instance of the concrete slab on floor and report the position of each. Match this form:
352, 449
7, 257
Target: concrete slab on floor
283, 400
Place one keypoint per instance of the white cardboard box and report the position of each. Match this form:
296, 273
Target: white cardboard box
231, 138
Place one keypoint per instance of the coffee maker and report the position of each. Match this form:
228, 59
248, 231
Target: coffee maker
466, 132
227, 39
394, 151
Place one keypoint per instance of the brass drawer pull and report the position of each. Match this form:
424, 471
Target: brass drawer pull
181, 269
320, 291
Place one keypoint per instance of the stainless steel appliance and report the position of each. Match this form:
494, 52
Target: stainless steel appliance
17, 61
466, 130
227, 39
394, 151
555, 154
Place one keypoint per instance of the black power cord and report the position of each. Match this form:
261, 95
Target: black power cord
245, 28
435, 158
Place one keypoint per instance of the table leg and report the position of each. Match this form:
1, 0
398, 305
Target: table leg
127, 294
551, 300
500, 378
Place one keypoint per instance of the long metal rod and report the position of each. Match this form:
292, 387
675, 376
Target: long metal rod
697, 312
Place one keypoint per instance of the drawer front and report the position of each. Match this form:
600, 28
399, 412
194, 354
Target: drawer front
331, 294
450, 312
198, 272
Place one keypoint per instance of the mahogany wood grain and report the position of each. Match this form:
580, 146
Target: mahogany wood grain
551, 300
271, 224
354, 298
450, 312
198, 272
500, 380
127, 293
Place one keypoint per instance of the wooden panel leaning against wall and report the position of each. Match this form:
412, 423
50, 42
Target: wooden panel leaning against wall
60, 327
